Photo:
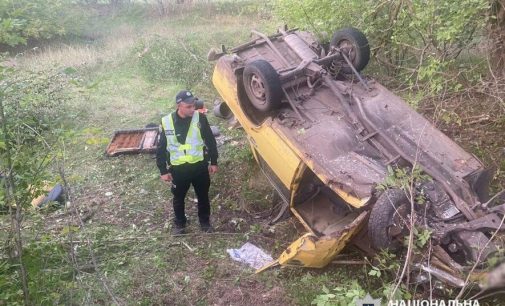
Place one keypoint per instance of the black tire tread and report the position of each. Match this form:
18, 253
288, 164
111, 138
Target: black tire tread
380, 218
360, 40
271, 80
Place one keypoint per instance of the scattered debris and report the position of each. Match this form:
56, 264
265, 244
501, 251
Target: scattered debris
337, 146
189, 248
133, 141
251, 255
54, 194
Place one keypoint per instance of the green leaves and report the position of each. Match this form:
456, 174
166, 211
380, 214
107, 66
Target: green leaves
9, 29
386, 263
21, 20
345, 295
69, 229
33, 105
417, 39
403, 178
422, 236
180, 58
375, 272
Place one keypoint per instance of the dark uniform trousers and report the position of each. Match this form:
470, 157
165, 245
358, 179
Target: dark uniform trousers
183, 176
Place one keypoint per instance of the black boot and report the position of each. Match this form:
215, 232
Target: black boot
206, 227
178, 229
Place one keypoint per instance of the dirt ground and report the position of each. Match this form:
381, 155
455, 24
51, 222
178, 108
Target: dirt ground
189, 270
476, 122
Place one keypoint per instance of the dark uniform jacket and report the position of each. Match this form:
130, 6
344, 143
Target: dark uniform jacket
181, 126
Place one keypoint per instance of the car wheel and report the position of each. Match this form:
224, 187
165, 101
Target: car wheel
388, 220
355, 43
262, 85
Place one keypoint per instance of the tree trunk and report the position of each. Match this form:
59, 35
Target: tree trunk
162, 8
497, 35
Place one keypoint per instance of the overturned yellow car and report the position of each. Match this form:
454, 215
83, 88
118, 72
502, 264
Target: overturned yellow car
329, 139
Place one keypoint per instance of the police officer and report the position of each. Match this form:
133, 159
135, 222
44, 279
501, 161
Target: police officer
185, 148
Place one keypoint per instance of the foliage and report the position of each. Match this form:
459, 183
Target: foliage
342, 295
144, 265
384, 270
10, 290
386, 266
415, 39
386, 262
422, 236
403, 178
261, 9
401, 292
47, 287
181, 59
32, 106
21, 20
258, 9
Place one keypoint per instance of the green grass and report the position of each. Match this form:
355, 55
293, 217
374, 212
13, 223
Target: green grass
129, 207
125, 205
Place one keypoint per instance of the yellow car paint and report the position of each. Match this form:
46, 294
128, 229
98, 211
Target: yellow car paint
288, 164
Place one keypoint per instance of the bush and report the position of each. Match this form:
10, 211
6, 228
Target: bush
180, 59
34, 106
21, 20
417, 40
50, 275
205, 9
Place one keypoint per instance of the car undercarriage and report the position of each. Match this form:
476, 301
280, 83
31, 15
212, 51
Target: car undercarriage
356, 164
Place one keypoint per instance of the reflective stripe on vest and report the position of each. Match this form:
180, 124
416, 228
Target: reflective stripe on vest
190, 152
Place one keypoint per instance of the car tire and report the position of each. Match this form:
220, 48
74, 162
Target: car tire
357, 43
262, 85
222, 110
388, 209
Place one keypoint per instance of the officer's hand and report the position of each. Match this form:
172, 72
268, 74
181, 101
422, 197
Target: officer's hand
167, 178
212, 169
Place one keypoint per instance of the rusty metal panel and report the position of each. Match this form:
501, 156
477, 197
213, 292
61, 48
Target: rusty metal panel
133, 141
342, 133
316, 252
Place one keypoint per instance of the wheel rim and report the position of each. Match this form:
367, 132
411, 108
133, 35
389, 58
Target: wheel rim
398, 225
350, 49
257, 89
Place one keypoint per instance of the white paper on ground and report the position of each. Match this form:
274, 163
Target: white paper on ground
251, 255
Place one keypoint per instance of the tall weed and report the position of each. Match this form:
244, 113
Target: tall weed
180, 58
33, 109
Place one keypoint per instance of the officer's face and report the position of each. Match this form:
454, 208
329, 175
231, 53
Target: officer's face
186, 110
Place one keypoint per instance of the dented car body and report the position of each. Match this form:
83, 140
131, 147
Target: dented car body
327, 139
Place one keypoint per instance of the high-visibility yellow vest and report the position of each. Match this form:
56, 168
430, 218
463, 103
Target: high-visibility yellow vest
190, 152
